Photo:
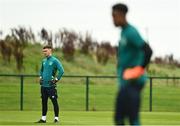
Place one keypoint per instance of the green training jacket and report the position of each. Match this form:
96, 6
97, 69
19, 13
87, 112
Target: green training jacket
51, 67
130, 54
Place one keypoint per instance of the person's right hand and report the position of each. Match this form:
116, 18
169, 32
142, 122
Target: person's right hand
40, 81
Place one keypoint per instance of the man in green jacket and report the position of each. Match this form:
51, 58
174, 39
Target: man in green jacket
50, 73
133, 56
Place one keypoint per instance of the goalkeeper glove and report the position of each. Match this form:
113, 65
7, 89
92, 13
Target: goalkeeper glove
133, 73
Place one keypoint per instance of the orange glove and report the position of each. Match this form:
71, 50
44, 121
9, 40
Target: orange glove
133, 73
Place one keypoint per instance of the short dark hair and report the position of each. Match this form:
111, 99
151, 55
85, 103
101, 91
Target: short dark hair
47, 47
120, 7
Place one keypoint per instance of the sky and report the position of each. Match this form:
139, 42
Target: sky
157, 20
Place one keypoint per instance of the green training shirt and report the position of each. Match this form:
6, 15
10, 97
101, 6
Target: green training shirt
130, 53
50, 68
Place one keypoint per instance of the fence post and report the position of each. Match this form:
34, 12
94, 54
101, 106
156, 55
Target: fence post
21, 91
150, 95
87, 93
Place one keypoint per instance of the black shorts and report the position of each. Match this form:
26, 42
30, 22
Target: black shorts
50, 92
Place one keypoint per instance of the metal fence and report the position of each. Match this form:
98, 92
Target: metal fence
86, 94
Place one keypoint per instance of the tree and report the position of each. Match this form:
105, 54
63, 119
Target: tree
68, 38
103, 52
86, 43
6, 50
19, 40
47, 37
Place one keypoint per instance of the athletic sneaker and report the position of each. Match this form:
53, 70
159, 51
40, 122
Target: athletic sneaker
56, 121
41, 121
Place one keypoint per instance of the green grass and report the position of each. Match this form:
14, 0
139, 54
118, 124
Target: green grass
81, 65
71, 91
72, 95
85, 118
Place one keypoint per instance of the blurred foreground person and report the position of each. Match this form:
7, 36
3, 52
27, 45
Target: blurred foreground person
133, 56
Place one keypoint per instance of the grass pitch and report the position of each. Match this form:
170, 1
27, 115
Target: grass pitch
85, 118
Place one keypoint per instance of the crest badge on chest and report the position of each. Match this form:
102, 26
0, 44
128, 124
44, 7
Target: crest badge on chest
123, 41
50, 63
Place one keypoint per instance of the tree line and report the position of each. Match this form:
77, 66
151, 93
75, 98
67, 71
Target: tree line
167, 60
69, 41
